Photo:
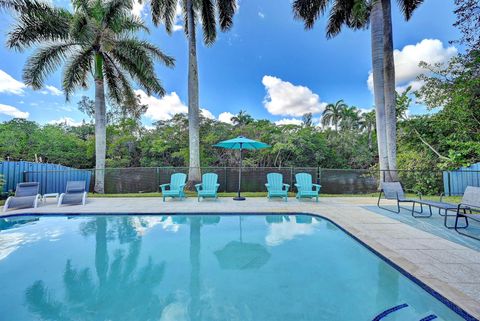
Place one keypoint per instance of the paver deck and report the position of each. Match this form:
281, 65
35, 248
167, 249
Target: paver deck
449, 268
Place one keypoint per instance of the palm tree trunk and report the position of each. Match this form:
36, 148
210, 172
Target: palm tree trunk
389, 89
100, 126
376, 27
194, 174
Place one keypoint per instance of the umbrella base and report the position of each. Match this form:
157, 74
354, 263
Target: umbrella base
239, 198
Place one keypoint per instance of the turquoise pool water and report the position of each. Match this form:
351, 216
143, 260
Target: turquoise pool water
179, 268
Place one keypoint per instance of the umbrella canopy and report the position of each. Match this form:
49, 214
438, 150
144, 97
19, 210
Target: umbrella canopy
241, 142
240, 256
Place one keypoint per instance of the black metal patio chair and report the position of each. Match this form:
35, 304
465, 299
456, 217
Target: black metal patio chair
394, 191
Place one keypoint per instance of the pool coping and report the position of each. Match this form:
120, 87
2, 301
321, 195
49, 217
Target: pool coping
448, 303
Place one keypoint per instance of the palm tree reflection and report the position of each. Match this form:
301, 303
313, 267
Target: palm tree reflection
122, 291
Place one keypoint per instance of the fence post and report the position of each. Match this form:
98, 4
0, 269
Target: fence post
448, 184
291, 176
225, 180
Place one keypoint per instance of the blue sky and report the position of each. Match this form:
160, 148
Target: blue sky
267, 65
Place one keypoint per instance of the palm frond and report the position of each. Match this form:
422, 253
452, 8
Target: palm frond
131, 24
116, 77
15, 5
115, 9
45, 60
309, 11
164, 11
226, 11
37, 23
80, 28
139, 65
185, 17
408, 7
158, 54
114, 85
76, 71
208, 21
337, 18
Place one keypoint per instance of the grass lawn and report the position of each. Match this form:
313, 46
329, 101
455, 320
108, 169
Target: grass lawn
450, 199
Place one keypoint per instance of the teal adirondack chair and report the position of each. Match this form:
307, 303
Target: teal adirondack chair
276, 187
176, 186
208, 187
305, 187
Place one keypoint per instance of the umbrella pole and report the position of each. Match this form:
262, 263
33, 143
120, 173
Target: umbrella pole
239, 197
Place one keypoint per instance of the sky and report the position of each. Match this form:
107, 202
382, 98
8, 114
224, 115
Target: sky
267, 65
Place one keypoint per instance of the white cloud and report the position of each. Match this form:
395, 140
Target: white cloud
166, 107
288, 121
137, 8
162, 108
407, 61
13, 111
279, 233
226, 117
66, 121
206, 113
177, 22
261, 14
284, 98
52, 90
10, 85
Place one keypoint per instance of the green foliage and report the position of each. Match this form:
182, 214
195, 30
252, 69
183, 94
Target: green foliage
129, 144
25, 140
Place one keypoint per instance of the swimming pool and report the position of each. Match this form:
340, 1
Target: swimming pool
230, 267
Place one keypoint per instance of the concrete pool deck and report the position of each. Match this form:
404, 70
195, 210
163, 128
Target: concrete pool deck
451, 269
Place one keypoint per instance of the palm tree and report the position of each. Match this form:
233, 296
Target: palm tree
333, 114
356, 14
96, 41
367, 123
194, 12
349, 118
242, 119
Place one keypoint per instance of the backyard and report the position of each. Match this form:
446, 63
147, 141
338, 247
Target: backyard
224, 160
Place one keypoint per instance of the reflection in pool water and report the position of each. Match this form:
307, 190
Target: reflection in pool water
279, 267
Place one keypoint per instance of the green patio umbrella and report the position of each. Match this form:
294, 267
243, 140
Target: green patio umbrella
241, 143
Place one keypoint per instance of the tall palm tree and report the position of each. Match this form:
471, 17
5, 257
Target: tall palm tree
333, 114
367, 123
94, 42
242, 119
194, 12
349, 118
357, 14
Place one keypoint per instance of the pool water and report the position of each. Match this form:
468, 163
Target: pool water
179, 268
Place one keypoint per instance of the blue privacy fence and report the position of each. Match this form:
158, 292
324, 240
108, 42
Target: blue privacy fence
53, 178
455, 182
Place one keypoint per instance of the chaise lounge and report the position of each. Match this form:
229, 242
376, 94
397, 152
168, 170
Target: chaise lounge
471, 203
26, 195
75, 194
394, 191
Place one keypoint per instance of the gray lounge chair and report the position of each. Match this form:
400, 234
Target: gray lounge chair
394, 191
471, 203
75, 194
26, 195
